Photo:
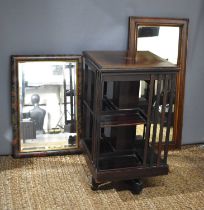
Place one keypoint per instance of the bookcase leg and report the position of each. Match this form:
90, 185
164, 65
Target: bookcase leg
94, 185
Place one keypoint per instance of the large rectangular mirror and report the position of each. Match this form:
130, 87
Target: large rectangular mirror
45, 104
165, 38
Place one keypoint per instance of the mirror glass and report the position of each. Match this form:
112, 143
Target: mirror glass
160, 40
47, 95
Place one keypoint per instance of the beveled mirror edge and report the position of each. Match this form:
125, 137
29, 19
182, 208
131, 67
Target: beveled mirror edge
134, 21
14, 60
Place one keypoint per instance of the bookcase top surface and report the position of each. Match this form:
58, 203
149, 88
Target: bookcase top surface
121, 60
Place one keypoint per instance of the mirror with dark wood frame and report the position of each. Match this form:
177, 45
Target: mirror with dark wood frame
167, 39
45, 105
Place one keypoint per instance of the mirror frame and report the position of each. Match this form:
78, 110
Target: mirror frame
15, 112
134, 22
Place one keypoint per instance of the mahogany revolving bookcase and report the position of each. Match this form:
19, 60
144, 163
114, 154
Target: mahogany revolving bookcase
126, 129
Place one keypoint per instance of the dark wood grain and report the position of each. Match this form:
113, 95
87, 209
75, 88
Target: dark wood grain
116, 60
172, 93
123, 155
162, 119
148, 124
155, 123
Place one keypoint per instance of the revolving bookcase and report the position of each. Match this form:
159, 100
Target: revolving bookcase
126, 129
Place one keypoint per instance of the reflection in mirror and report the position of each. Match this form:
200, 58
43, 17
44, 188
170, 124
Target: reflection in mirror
162, 41
47, 95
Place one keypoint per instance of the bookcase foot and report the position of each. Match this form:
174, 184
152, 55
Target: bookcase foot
94, 184
136, 186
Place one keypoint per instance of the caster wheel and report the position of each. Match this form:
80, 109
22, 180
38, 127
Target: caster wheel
137, 186
94, 185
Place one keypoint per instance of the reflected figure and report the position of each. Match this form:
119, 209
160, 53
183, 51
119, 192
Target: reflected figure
37, 114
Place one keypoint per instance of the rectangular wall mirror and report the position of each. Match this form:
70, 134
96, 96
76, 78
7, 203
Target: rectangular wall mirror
45, 105
166, 38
